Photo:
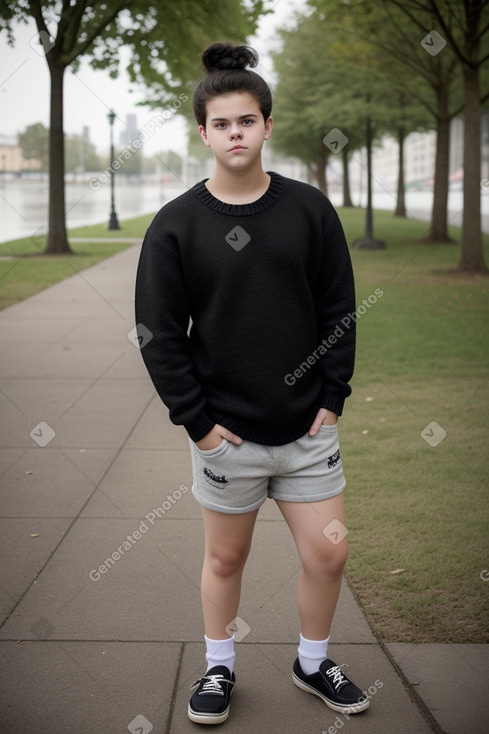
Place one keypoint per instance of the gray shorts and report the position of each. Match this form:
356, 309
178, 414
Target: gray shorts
237, 479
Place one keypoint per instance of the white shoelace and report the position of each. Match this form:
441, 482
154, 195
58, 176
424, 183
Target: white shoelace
212, 684
337, 676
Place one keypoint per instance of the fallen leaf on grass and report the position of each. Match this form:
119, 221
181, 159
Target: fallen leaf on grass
397, 570
365, 432
368, 400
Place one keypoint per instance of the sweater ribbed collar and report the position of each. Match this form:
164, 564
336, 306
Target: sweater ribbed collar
269, 197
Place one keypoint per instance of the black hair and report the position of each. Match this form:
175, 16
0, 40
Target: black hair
226, 64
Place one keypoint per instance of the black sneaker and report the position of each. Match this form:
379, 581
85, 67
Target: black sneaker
212, 693
332, 685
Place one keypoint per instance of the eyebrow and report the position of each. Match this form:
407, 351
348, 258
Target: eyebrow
225, 119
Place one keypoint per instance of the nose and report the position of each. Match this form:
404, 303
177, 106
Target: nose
235, 131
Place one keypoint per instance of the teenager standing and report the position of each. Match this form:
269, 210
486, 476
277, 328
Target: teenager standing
259, 264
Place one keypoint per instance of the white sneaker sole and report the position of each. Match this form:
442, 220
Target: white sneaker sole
210, 718
347, 709
207, 718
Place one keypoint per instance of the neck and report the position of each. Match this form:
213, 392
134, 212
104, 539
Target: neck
235, 187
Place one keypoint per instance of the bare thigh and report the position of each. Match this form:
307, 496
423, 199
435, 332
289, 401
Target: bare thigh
318, 528
228, 536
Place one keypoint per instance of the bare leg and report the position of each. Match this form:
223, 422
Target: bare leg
322, 561
227, 545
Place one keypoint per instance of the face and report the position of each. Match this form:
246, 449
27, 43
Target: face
235, 130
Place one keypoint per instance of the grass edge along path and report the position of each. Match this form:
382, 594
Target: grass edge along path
413, 434
25, 270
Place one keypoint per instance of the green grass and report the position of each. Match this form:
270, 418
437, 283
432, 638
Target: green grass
423, 356
29, 271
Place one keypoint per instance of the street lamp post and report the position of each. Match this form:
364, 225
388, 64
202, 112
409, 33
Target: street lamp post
113, 221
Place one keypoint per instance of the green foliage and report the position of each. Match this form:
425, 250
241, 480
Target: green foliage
166, 39
34, 144
81, 155
412, 78
331, 77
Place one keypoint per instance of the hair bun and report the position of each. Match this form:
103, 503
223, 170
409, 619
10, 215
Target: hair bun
228, 56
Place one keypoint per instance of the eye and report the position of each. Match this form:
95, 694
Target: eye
248, 122
220, 125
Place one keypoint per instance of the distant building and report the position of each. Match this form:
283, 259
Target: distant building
130, 132
419, 158
11, 158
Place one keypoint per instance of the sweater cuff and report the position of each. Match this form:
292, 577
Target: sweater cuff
199, 427
334, 402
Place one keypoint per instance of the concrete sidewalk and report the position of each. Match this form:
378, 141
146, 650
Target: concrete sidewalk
92, 468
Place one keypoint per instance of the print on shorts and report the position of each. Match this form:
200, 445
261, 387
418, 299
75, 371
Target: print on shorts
334, 459
214, 480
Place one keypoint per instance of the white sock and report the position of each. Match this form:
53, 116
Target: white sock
312, 653
220, 652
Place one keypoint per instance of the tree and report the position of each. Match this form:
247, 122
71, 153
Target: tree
440, 41
34, 144
465, 27
308, 97
431, 80
80, 155
165, 37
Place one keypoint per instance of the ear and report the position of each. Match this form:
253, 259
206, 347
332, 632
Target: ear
268, 128
203, 135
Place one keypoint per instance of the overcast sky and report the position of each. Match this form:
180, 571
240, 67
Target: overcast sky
89, 94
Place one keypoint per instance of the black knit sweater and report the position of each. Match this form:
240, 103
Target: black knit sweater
268, 287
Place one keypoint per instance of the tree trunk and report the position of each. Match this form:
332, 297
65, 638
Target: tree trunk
347, 202
439, 218
401, 199
368, 241
472, 254
320, 170
57, 237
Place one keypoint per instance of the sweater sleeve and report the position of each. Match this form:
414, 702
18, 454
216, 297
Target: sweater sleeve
162, 321
335, 308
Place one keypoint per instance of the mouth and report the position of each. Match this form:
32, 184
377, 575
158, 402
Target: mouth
236, 147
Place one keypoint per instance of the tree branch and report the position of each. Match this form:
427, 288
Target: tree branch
96, 30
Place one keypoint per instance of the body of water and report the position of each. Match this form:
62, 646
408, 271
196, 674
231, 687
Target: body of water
23, 204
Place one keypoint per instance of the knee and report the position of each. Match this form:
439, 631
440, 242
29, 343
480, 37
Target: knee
328, 560
227, 562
